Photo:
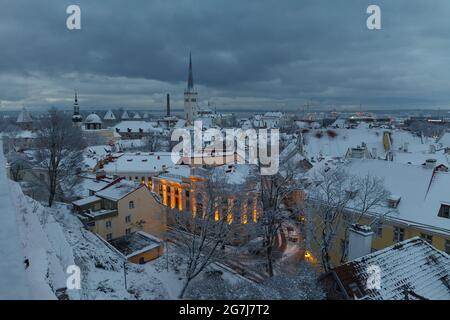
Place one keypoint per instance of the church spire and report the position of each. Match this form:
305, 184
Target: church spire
190, 86
76, 117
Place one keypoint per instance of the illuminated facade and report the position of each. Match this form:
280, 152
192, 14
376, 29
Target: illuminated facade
185, 193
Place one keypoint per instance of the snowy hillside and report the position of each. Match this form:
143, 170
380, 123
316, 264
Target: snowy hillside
13, 282
54, 239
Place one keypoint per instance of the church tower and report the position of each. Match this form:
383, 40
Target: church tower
76, 117
190, 97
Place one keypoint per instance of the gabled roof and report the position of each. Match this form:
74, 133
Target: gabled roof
412, 269
118, 190
24, 116
109, 115
137, 115
125, 115
422, 191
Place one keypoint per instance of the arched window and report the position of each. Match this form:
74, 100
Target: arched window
131, 204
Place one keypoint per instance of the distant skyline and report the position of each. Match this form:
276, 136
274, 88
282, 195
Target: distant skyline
252, 55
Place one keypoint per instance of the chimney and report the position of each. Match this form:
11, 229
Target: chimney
430, 163
168, 104
359, 241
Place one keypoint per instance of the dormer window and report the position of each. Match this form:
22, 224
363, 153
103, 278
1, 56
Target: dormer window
393, 201
444, 211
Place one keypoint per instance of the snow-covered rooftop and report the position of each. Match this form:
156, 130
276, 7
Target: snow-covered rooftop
422, 192
125, 116
118, 190
24, 117
109, 115
134, 126
334, 142
135, 243
140, 162
412, 269
85, 201
25, 134
93, 118
236, 174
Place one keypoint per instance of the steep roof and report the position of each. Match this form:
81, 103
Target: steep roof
118, 190
422, 191
24, 116
137, 115
109, 115
412, 269
125, 115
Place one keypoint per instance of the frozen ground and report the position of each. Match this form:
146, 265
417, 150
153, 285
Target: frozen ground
13, 279
53, 239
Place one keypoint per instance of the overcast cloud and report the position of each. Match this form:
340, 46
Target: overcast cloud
246, 53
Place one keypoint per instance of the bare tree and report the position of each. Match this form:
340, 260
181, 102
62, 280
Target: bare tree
59, 151
18, 164
202, 233
154, 142
275, 189
369, 196
301, 285
336, 200
328, 196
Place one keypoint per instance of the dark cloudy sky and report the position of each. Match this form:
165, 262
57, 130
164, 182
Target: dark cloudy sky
246, 53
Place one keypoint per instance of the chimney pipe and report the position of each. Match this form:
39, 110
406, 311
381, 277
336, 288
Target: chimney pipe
430, 163
168, 105
359, 241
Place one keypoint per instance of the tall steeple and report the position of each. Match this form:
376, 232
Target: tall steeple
190, 97
76, 117
190, 87
76, 107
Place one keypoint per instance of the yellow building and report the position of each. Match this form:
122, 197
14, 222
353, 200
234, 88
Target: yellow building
181, 188
122, 208
419, 205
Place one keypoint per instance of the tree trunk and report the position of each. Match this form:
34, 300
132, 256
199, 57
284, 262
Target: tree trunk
269, 261
183, 291
51, 197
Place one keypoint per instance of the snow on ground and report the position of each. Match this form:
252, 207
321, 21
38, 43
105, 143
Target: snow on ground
13, 280
53, 239
45, 272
